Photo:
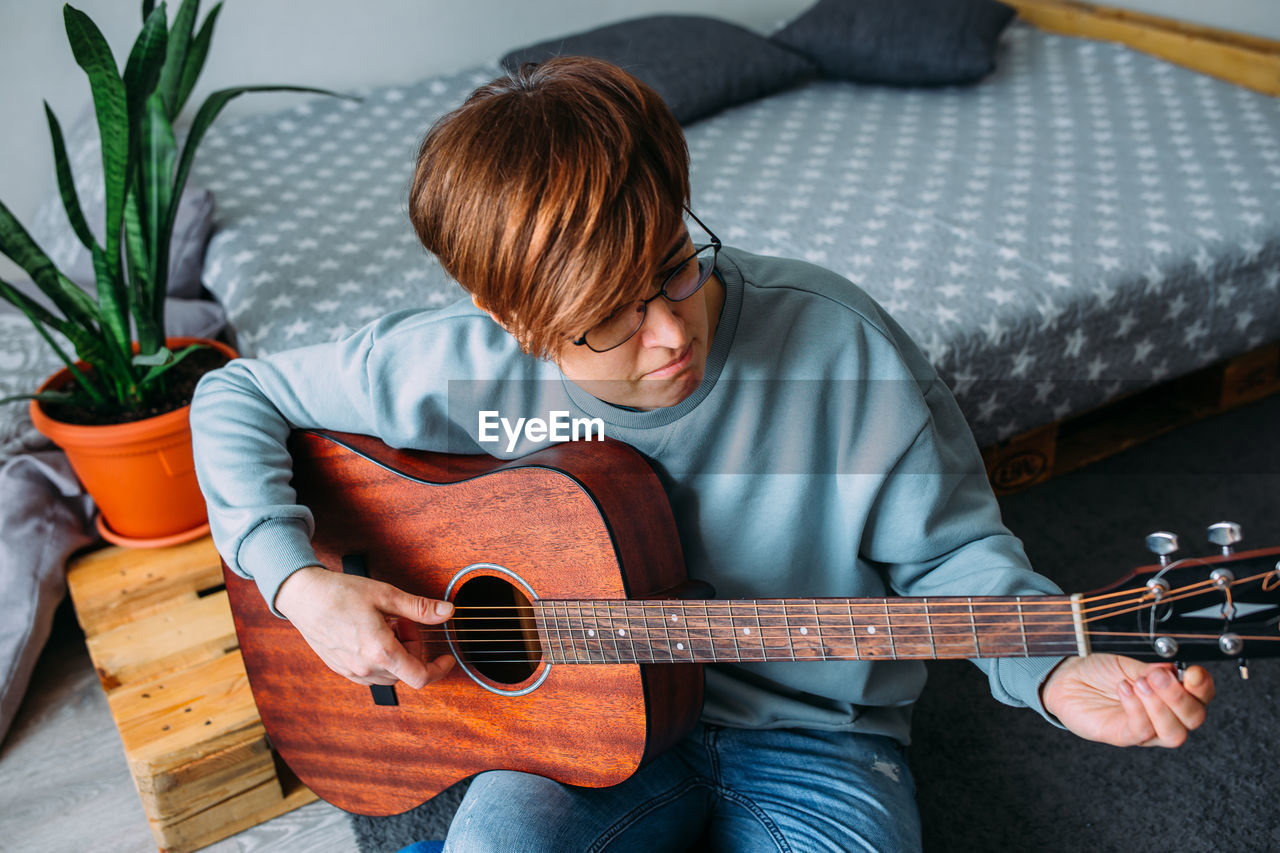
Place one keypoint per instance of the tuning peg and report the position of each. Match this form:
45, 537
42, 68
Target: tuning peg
1244, 669
1162, 543
1225, 534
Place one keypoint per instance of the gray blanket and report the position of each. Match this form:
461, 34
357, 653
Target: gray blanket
45, 518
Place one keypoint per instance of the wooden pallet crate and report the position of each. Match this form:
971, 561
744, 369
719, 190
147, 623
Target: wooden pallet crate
160, 634
1038, 454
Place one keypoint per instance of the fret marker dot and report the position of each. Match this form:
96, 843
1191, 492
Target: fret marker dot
591, 632
622, 632
680, 646
746, 630
871, 629
804, 630
674, 618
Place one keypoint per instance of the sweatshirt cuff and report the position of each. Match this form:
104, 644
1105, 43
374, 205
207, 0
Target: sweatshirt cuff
272, 551
1028, 676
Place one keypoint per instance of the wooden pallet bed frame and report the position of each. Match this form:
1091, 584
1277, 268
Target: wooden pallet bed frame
1038, 454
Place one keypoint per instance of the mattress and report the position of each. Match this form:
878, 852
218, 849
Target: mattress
1086, 222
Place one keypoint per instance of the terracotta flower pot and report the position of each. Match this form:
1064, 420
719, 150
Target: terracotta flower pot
141, 474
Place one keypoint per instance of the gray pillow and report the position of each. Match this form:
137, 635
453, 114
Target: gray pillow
698, 65
903, 42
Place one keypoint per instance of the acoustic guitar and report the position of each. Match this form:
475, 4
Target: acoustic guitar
580, 640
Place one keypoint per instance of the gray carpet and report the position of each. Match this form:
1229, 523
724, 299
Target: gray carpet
991, 777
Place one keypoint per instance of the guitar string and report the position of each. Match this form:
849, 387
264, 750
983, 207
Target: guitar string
625, 610
763, 621
764, 632
1028, 627
620, 656
1144, 604
942, 633
761, 636
1068, 645
878, 603
1113, 641
1064, 635
1112, 609
1184, 636
1115, 644
1143, 599
1142, 635
960, 638
842, 610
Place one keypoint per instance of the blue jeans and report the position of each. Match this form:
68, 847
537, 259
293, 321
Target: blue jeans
725, 789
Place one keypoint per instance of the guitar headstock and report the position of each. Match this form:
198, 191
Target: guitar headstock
1194, 609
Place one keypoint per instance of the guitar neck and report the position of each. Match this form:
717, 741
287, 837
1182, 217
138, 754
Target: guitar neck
807, 629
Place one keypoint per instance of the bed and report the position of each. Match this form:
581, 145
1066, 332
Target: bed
1087, 222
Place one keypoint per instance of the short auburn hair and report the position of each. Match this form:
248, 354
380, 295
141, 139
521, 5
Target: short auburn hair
552, 195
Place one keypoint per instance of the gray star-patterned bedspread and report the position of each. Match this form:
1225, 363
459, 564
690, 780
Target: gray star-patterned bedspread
1085, 222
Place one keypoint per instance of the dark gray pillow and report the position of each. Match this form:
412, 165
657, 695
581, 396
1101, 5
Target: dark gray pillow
904, 42
698, 65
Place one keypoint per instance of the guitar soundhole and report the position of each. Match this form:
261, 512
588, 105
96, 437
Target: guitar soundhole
494, 630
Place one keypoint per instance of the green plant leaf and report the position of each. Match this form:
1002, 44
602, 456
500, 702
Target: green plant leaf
141, 77
160, 356
136, 256
17, 244
159, 152
93, 54
40, 318
194, 63
78, 399
147, 6
88, 312
43, 397
35, 312
172, 362
66, 183
184, 24
145, 64
112, 300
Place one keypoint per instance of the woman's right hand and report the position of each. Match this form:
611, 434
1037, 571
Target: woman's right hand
344, 620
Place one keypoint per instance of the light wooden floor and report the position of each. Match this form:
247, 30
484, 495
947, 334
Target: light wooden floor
64, 784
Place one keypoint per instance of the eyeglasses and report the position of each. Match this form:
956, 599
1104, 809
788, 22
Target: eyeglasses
681, 283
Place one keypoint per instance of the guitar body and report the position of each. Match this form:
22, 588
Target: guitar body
593, 523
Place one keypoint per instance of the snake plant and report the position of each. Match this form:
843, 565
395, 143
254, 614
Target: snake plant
144, 173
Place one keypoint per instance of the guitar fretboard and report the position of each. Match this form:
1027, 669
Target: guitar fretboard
707, 631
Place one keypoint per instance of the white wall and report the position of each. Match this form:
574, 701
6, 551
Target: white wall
1256, 17
342, 44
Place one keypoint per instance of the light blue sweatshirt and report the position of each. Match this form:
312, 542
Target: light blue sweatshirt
820, 456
